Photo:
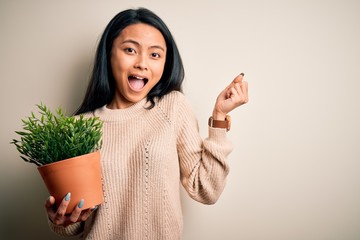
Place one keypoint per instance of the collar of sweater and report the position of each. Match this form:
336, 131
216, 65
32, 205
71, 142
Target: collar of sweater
135, 110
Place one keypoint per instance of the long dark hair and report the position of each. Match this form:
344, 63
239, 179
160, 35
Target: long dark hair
101, 88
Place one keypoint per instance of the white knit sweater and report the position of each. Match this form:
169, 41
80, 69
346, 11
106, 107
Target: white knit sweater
145, 155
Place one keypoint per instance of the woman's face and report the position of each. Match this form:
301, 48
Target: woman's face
137, 60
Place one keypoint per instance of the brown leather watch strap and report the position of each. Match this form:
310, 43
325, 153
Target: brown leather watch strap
220, 124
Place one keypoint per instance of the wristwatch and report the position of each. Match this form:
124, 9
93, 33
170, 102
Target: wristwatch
220, 124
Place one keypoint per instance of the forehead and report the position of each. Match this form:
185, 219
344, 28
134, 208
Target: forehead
143, 34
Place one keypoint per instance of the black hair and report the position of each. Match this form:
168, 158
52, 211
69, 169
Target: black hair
101, 88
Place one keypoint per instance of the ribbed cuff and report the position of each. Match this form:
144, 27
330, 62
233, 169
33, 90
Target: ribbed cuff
71, 230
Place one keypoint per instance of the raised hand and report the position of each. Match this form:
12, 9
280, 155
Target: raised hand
233, 96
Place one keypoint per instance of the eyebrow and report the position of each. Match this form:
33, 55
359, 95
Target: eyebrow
138, 44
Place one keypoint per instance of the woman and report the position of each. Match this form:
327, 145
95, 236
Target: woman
151, 141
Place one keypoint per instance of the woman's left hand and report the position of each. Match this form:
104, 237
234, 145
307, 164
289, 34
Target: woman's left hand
233, 96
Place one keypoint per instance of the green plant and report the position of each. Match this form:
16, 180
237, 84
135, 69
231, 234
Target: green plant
54, 137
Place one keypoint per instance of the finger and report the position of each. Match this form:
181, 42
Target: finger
228, 93
60, 213
77, 211
50, 202
239, 78
244, 90
230, 89
64, 204
238, 96
49, 205
238, 89
233, 92
223, 94
85, 214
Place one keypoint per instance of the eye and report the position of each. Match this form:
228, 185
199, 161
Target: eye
155, 55
130, 50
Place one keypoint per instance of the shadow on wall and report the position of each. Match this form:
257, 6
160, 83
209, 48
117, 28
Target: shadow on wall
23, 214
23, 192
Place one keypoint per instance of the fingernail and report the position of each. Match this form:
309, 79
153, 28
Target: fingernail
242, 74
81, 203
67, 197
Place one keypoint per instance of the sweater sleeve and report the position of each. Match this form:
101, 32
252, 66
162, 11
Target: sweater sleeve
203, 166
69, 231
77, 229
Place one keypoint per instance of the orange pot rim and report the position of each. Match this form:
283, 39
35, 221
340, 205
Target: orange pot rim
69, 159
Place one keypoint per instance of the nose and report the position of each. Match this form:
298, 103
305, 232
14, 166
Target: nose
141, 62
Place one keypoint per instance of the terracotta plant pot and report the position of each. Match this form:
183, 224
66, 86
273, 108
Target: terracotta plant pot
81, 176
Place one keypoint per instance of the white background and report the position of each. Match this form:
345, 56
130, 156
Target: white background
295, 169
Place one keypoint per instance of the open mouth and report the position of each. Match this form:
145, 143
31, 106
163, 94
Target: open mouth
137, 83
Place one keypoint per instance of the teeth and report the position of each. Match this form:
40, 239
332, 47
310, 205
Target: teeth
139, 78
